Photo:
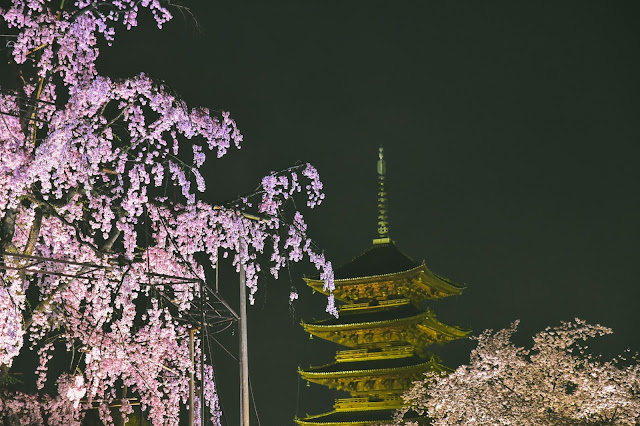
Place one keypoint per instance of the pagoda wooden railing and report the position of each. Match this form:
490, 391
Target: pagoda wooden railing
366, 355
368, 306
364, 404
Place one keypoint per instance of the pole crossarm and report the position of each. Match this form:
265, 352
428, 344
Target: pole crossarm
51, 266
217, 310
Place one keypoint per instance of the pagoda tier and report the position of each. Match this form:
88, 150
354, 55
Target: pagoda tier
386, 324
384, 272
363, 416
372, 377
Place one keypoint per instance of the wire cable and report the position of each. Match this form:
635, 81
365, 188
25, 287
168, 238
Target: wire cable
255, 408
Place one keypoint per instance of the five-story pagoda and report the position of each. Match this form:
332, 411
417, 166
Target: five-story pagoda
385, 325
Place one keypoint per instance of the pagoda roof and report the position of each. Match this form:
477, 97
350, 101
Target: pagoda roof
405, 314
419, 331
350, 418
380, 367
380, 259
384, 272
355, 418
373, 313
367, 365
372, 378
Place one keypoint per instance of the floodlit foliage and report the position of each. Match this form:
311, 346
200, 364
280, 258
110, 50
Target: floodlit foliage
556, 382
102, 179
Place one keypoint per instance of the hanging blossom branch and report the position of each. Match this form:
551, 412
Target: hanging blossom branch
557, 381
85, 166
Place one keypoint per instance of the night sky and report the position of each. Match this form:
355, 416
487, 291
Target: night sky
511, 134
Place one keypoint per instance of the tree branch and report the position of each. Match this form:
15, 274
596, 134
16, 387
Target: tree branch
7, 229
34, 232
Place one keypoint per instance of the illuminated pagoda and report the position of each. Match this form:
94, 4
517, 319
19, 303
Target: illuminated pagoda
384, 324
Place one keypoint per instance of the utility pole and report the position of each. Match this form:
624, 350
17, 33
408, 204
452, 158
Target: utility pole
203, 419
192, 331
244, 355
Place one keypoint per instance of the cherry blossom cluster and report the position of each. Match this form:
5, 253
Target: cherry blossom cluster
210, 397
12, 303
21, 409
67, 38
109, 173
557, 381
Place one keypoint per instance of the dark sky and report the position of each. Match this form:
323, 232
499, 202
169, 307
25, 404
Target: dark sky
511, 132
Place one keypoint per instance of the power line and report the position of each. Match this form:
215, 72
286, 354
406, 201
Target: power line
255, 408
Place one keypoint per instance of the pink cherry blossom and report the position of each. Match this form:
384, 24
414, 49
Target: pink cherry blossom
81, 183
557, 381
76, 391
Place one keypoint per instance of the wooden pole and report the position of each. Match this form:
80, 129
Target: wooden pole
244, 354
203, 420
192, 378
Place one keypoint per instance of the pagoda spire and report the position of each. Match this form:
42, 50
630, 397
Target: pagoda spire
383, 211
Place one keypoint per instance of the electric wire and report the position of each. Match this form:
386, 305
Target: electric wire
255, 408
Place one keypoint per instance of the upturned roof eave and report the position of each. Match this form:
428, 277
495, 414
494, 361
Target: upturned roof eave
448, 329
308, 421
422, 266
342, 280
308, 326
380, 371
418, 362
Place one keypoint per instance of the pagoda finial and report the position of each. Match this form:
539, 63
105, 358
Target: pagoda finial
383, 212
